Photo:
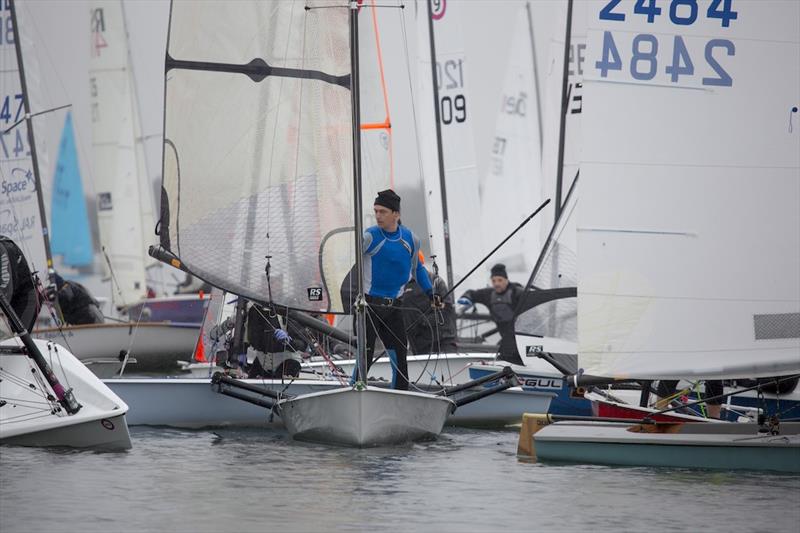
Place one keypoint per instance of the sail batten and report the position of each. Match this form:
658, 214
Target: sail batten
258, 70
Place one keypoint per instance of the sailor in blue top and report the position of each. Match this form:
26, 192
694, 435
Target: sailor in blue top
390, 261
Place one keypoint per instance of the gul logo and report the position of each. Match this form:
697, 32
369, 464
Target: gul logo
541, 383
314, 294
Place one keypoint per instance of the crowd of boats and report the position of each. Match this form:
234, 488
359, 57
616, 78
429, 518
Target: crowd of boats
672, 282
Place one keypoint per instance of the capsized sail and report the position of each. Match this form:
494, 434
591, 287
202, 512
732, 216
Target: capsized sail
20, 217
116, 173
70, 237
689, 223
258, 147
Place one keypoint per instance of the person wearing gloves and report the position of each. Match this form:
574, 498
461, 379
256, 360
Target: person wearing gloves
429, 332
391, 260
265, 335
502, 300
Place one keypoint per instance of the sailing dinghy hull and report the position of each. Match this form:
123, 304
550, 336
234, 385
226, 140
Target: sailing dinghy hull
153, 346
27, 418
365, 418
734, 446
193, 403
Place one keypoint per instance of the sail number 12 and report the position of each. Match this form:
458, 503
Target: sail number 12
450, 79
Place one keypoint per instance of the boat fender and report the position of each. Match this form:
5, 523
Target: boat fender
531, 424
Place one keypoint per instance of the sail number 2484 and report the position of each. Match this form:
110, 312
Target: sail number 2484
667, 59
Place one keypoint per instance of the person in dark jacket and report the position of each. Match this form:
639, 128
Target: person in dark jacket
265, 334
502, 299
77, 304
429, 331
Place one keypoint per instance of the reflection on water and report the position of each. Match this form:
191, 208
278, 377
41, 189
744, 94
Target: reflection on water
468, 480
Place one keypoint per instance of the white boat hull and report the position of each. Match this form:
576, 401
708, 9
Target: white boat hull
151, 346
423, 369
28, 418
193, 403
365, 417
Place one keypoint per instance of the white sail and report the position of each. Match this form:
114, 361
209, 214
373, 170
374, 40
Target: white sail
258, 148
557, 268
512, 186
19, 208
458, 144
689, 224
117, 179
551, 108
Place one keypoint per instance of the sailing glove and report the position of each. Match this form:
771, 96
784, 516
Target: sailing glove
281, 336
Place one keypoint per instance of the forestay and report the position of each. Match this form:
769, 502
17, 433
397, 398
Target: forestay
258, 147
117, 170
689, 224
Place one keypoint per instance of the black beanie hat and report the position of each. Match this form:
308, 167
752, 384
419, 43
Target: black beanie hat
499, 270
388, 198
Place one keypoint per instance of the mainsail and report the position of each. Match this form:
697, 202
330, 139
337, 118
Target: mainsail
554, 92
512, 186
70, 236
117, 170
689, 223
20, 215
258, 148
458, 144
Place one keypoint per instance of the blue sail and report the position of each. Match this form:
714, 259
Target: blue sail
70, 234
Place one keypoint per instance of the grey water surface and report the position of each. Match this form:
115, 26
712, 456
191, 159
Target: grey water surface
468, 480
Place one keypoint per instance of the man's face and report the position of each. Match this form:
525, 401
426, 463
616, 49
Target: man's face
386, 218
499, 283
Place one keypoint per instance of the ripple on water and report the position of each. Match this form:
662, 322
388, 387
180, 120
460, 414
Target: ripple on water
468, 480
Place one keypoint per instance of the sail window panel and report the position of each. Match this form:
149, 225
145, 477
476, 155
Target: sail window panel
282, 33
557, 319
264, 169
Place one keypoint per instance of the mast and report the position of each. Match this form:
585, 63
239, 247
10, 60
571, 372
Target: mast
442, 182
34, 160
535, 75
359, 308
146, 192
563, 118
